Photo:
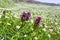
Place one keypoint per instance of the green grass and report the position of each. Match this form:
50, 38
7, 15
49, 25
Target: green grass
50, 18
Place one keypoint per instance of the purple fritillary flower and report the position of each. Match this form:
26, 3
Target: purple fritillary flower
37, 20
25, 16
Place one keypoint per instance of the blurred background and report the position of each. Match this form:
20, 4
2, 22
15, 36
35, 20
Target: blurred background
48, 2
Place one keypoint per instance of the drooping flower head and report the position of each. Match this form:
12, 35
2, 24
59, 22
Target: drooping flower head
25, 16
37, 21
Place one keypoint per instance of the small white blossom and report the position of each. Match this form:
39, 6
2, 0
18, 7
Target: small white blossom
49, 35
31, 21
2, 39
56, 23
17, 27
0, 16
58, 32
46, 26
51, 18
6, 17
35, 38
32, 29
16, 16
51, 21
58, 27
44, 29
25, 35
51, 30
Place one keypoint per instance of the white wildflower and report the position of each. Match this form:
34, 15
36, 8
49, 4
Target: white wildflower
35, 38
56, 23
32, 29
16, 16
17, 27
49, 35
2, 39
51, 21
50, 18
46, 26
58, 32
6, 17
0, 16
58, 27
51, 30
44, 29
31, 21
25, 35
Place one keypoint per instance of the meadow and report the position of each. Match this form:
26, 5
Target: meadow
13, 28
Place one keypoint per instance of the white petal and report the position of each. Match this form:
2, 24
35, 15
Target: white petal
0, 16
17, 27
44, 29
35, 38
31, 21
6, 17
25, 35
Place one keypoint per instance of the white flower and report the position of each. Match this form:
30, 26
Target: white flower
44, 29
58, 27
35, 38
0, 16
6, 17
46, 26
56, 23
51, 30
49, 35
16, 16
58, 32
2, 39
25, 35
17, 27
31, 21
51, 21
32, 29
8, 24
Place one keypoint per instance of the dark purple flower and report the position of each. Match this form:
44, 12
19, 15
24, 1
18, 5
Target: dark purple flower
25, 16
37, 20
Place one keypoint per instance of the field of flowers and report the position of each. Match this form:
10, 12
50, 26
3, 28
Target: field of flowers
27, 21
